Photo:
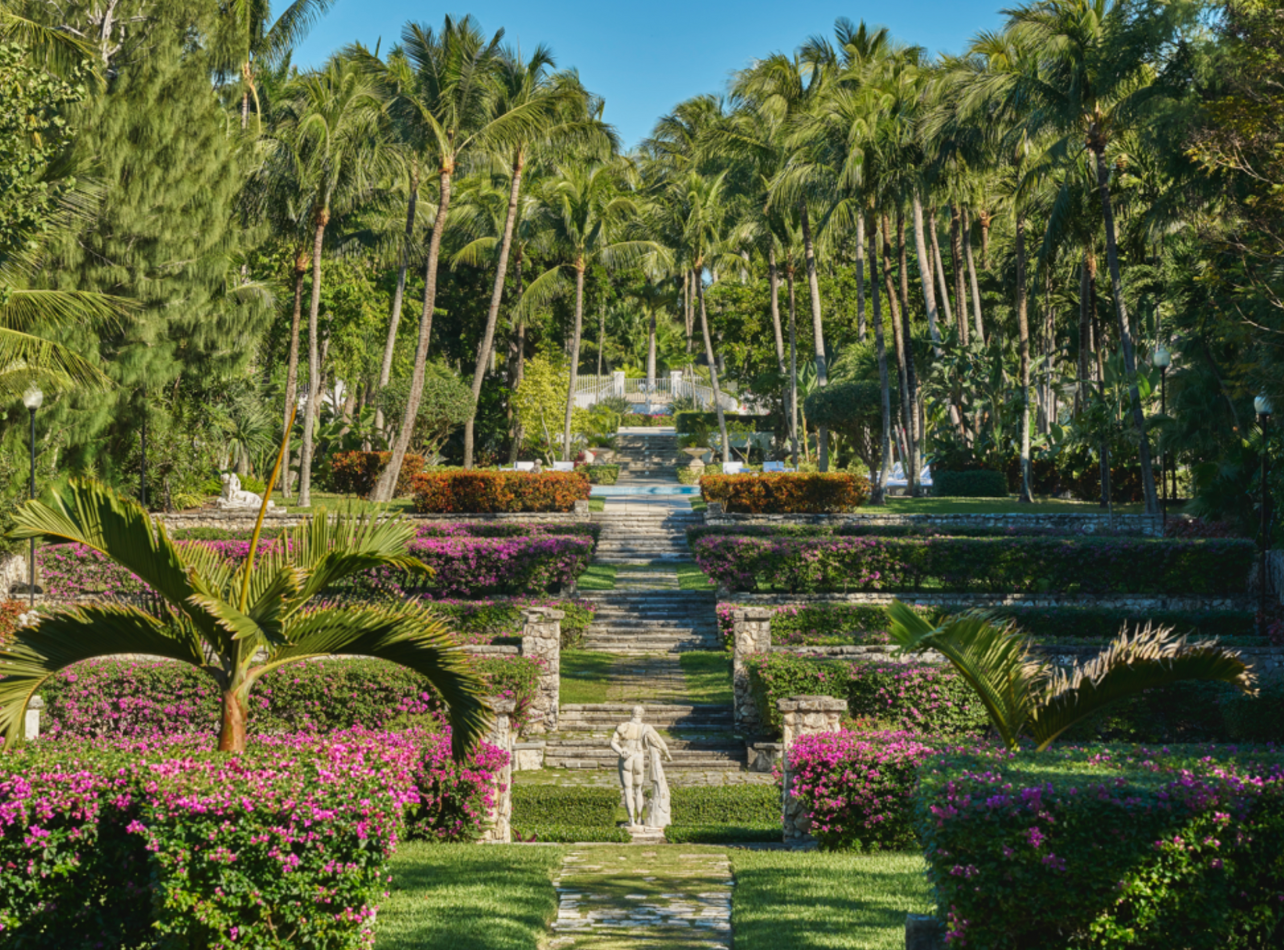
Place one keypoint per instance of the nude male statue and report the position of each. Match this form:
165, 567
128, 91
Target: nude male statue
635, 743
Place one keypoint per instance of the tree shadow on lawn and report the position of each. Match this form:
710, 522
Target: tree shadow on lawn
468, 897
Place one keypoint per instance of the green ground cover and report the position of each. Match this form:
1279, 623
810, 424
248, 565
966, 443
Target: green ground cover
597, 504
708, 676
584, 676
825, 901
597, 577
333, 501
698, 503
690, 577
448, 897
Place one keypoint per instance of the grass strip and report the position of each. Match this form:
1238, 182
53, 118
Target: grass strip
835, 901
447, 896
584, 676
690, 577
597, 577
708, 676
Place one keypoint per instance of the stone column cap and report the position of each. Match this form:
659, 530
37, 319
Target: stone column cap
751, 613
543, 613
502, 704
35, 703
816, 703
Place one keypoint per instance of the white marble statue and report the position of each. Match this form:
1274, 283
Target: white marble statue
640, 749
233, 497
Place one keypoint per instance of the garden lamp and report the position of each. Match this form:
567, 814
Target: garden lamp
32, 399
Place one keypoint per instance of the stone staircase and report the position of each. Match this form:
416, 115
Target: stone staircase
648, 456
649, 536
699, 738
653, 621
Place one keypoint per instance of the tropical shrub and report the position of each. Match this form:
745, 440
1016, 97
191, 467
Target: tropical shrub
116, 697
1256, 718
977, 483
857, 789
600, 474
796, 493
355, 473
482, 492
1106, 848
480, 567
992, 565
138, 844
817, 624
648, 420
10, 612
918, 697
482, 621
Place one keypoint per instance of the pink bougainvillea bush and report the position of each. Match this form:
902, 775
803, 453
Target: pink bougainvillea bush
146, 699
164, 843
1106, 848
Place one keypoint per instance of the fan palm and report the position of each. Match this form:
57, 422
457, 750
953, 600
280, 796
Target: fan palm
1023, 694
233, 622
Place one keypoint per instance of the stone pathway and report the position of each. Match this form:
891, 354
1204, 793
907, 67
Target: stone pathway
613, 898
647, 679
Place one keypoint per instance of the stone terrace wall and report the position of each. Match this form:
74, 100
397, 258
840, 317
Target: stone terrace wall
244, 521
1139, 602
1018, 523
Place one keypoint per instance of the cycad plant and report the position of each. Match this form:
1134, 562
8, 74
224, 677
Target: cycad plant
1025, 695
234, 622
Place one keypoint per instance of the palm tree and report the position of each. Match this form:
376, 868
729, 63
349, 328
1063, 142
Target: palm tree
331, 124
1023, 694
448, 112
1092, 79
557, 107
233, 622
654, 296
583, 211
246, 43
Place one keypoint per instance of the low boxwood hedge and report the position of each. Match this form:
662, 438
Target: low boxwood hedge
978, 483
567, 813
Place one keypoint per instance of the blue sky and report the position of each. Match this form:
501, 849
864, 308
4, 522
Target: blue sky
646, 57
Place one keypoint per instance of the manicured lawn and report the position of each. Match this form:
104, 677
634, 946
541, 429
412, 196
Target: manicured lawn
698, 503
597, 577
821, 901
597, 504
708, 676
584, 676
341, 504
480, 897
992, 506
690, 577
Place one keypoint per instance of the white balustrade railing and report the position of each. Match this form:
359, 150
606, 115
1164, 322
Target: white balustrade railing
663, 390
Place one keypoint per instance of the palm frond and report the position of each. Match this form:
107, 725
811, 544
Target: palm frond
60, 639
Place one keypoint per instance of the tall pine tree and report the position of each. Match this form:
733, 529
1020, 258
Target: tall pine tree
164, 236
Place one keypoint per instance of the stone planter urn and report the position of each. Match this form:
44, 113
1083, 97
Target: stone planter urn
603, 456
700, 454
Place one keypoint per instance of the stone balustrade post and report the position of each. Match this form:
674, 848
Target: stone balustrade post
751, 633
542, 639
803, 716
617, 382
31, 723
499, 829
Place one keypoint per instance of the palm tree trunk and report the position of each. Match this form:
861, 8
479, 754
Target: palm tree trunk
687, 319
496, 297
1125, 336
698, 276
942, 284
519, 367
1085, 337
233, 719
901, 345
960, 288
971, 271
601, 334
880, 347
387, 483
818, 328
1023, 342
385, 368
575, 357
925, 272
860, 277
986, 218
292, 366
1098, 346
903, 261
793, 364
314, 365
650, 352
773, 281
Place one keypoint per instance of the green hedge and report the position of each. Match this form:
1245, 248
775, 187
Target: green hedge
725, 813
567, 813
601, 474
978, 483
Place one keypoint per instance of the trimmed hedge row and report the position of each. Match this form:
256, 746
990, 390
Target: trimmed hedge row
1106, 848
483, 621
978, 483
355, 473
567, 813
146, 699
993, 565
484, 492
879, 530
601, 473
171, 844
800, 493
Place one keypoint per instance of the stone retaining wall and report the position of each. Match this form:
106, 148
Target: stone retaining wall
1017, 523
541, 639
280, 518
1138, 602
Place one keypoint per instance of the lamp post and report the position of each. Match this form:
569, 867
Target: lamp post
1163, 359
1262, 404
32, 399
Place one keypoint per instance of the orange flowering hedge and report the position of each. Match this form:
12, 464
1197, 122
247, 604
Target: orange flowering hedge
355, 473
790, 493
482, 492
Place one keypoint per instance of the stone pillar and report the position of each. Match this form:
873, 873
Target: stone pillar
499, 829
580, 510
617, 382
751, 633
542, 639
803, 716
31, 723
